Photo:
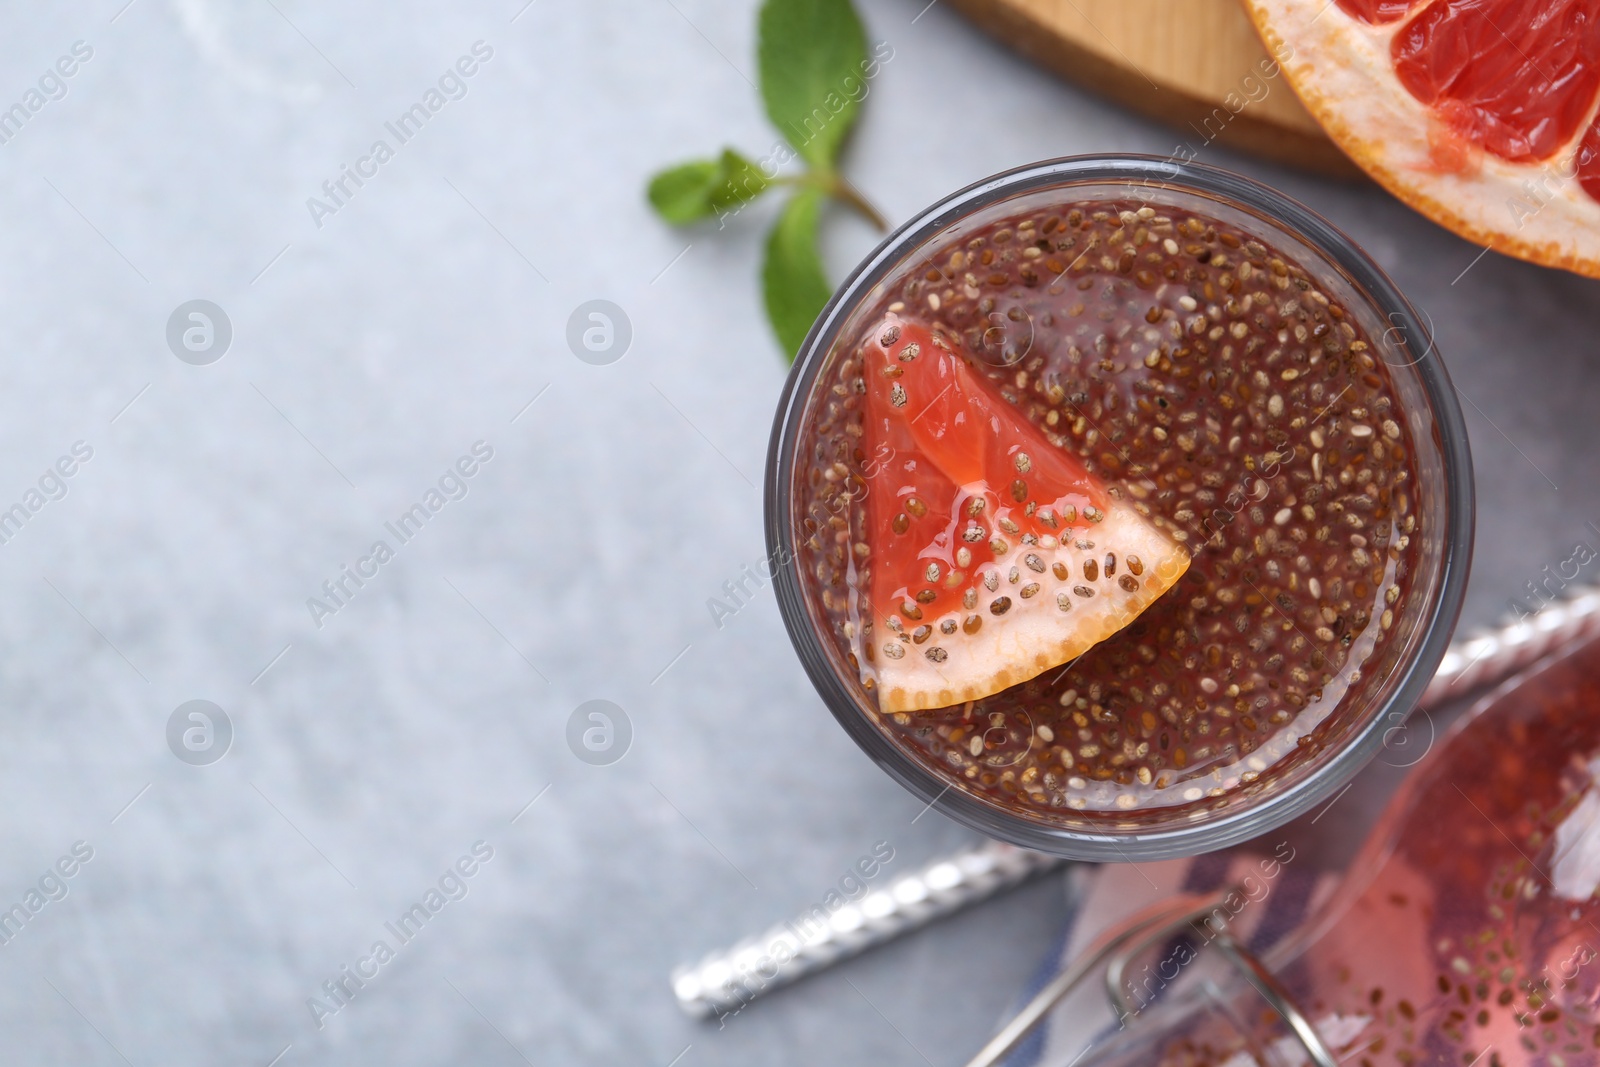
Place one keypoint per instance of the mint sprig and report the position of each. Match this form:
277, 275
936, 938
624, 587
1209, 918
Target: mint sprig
813, 73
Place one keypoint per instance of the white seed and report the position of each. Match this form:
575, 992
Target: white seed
1283, 516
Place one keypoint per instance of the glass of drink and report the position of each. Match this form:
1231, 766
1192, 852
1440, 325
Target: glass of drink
1121, 507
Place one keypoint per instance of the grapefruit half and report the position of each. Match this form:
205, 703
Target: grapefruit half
1481, 114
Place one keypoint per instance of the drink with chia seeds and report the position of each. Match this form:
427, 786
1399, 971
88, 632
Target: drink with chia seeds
1120, 514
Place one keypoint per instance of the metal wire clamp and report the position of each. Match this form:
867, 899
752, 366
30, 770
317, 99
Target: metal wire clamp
1119, 947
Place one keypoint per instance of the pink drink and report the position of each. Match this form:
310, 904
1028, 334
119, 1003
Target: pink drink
1468, 931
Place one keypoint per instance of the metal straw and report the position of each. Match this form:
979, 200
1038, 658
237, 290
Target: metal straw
724, 982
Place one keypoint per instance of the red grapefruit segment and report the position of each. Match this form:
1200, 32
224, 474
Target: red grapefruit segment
1482, 114
1516, 79
995, 555
1589, 161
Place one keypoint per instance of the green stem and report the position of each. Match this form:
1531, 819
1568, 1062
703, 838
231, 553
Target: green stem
841, 190
846, 192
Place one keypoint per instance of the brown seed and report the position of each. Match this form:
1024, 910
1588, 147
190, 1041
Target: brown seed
975, 506
1093, 514
1061, 570
1111, 564
901, 523
1000, 605
927, 596
973, 534
1048, 517
891, 371
916, 506
1128, 582
1010, 527
1063, 602
1024, 463
910, 352
1034, 562
1083, 590
1091, 570
948, 626
910, 610
890, 336
894, 650
1069, 514
1135, 564
897, 395
1019, 490
998, 546
972, 623
921, 633
937, 654
969, 600
1029, 590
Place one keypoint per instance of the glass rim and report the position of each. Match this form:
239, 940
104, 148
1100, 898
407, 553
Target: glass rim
1435, 627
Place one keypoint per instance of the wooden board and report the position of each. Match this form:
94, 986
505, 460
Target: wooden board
1194, 64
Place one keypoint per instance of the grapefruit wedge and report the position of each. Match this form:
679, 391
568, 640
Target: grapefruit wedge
994, 554
1481, 114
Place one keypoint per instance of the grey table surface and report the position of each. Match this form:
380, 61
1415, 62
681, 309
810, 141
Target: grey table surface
371, 751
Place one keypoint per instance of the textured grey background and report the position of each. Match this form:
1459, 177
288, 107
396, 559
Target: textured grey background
425, 715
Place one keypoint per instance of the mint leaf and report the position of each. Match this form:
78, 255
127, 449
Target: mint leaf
792, 281
813, 56
682, 194
742, 180
705, 187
